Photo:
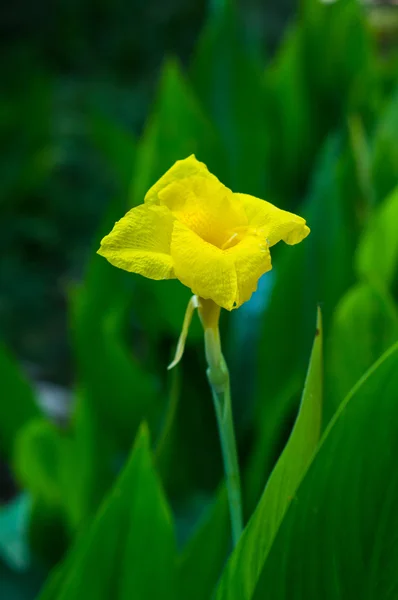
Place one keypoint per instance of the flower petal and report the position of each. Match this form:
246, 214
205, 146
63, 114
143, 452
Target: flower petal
207, 270
140, 242
206, 206
252, 259
180, 170
276, 224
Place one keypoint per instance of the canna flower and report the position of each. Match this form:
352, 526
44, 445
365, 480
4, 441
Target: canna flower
216, 242
193, 228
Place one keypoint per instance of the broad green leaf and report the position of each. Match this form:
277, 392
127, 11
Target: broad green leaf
45, 462
244, 567
17, 402
230, 83
377, 254
270, 436
204, 555
339, 536
365, 324
129, 550
385, 151
54, 582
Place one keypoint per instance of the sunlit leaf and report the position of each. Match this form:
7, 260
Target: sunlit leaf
244, 567
338, 538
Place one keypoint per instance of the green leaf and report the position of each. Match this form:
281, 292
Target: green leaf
129, 550
339, 536
385, 151
270, 435
364, 326
244, 567
18, 405
205, 553
377, 254
37, 458
230, 83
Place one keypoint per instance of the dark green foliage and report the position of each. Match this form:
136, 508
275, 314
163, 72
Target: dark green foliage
313, 130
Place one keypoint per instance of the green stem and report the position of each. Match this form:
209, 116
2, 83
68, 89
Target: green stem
218, 376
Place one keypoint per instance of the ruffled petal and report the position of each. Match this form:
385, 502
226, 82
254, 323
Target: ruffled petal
206, 206
140, 242
252, 259
276, 224
181, 169
207, 270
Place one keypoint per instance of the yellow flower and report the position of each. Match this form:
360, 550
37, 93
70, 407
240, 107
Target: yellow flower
193, 228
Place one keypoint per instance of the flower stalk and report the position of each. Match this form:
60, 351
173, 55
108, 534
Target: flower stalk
218, 376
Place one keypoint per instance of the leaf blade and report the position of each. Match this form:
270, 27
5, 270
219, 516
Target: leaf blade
241, 574
331, 545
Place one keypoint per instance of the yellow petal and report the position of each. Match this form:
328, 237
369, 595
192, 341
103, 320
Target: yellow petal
276, 224
180, 170
228, 277
207, 270
252, 259
206, 206
140, 242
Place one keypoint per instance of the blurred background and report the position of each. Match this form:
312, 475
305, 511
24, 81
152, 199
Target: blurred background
294, 102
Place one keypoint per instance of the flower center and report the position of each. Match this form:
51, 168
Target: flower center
237, 236
234, 239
